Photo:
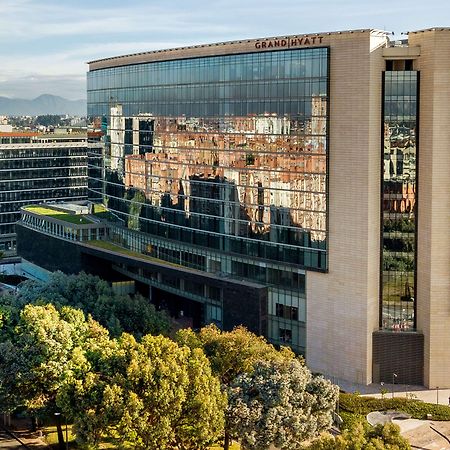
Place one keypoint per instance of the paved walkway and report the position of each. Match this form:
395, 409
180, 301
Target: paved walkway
8, 442
25, 439
440, 396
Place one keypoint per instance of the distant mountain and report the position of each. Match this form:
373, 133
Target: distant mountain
44, 104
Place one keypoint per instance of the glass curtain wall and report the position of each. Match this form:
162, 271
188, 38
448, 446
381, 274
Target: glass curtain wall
225, 152
399, 196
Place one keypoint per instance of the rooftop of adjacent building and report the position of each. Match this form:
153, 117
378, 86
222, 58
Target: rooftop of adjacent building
34, 138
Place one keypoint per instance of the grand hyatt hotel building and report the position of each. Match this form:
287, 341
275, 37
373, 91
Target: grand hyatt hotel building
298, 185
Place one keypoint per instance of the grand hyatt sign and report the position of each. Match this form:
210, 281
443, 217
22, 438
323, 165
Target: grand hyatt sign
288, 43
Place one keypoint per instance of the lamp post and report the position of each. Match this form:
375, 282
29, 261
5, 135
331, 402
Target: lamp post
67, 436
394, 376
59, 430
437, 395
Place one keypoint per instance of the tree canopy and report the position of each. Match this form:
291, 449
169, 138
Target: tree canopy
118, 313
153, 394
279, 403
40, 352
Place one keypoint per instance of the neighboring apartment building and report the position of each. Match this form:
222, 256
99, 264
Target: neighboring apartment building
38, 168
296, 184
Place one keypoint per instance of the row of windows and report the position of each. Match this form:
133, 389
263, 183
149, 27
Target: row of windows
295, 149
15, 164
7, 228
289, 252
310, 198
305, 183
254, 66
44, 194
15, 205
237, 128
8, 217
42, 153
202, 109
43, 183
219, 218
301, 89
43, 173
200, 259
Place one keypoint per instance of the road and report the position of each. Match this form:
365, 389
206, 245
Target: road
6, 441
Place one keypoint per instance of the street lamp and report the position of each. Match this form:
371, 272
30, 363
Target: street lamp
437, 395
59, 431
394, 376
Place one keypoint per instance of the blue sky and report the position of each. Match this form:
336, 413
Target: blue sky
44, 44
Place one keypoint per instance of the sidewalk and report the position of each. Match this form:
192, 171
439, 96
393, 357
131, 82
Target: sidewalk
440, 396
22, 430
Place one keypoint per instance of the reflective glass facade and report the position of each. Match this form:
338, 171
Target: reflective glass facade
229, 152
227, 155
399, 200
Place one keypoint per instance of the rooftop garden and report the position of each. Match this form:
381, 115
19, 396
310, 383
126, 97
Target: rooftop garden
59, 215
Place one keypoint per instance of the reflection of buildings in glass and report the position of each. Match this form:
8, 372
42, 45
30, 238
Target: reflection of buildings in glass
399, 202
260, 159
399, 168
128, 136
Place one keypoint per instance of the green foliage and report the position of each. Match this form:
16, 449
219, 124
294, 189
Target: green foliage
280, 403
154, 394
232, 353
349, 420
406, 225
363, 437
118, 313
44, 348
202, 418
48, 120
135, 210
398, 263
415, 408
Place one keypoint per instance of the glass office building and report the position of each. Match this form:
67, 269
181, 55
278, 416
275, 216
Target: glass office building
227, 154
297, 185
39, 169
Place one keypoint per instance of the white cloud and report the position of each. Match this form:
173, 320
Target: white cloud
51, 40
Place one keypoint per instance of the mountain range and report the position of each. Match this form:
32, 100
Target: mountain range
44, 104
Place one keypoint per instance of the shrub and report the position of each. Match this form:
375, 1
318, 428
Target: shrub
415, 408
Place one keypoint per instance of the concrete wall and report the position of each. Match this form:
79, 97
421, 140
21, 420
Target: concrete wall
433, 269
342, 305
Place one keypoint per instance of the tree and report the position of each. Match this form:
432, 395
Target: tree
118, 313
46, 346
280, 403
202, 419
232, 353
154, 394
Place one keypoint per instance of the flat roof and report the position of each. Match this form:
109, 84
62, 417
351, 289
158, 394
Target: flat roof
426, 30
227, 47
